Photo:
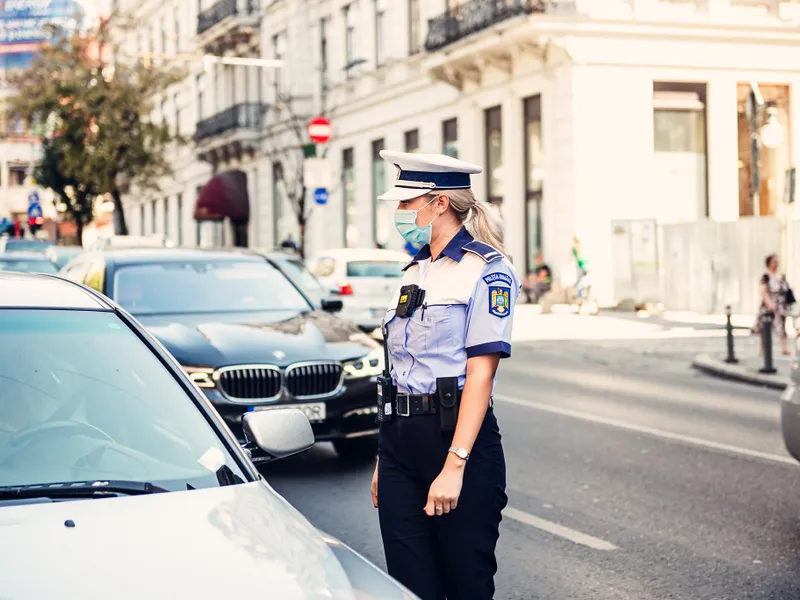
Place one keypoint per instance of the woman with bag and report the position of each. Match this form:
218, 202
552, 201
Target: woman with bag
776, 298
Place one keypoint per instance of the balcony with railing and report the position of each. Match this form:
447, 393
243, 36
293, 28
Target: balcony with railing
228, 23
232, 132
473, 16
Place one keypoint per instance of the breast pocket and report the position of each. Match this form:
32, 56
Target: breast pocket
438, 329
395, 338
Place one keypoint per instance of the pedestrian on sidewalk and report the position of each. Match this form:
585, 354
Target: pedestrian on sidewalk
776, 298
440, 481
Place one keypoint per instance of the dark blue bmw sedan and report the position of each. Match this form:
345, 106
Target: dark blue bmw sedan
248, 336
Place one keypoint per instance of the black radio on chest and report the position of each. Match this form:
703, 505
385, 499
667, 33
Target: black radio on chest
411, 298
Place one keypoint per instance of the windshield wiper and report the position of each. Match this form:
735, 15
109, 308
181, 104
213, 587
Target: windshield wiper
100, 488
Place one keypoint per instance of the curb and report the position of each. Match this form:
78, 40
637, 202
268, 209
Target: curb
720, 369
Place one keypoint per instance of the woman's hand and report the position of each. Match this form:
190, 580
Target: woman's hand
445, 490
374, 487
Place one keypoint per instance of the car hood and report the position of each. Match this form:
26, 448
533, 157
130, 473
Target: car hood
277, 337
241, 541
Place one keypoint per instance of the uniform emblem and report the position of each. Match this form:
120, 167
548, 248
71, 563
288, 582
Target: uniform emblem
498, 301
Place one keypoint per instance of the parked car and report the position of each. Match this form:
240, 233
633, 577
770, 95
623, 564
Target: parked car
112, 462
248, 337
131, 241
790, 409
296, 270
13, 244
27, 262
365, 278
61, 255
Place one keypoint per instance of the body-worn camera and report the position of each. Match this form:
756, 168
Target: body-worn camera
411, 298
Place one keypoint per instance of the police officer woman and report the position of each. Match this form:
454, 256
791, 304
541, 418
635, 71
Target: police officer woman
439, 484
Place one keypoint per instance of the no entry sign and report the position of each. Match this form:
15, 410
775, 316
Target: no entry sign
319, 130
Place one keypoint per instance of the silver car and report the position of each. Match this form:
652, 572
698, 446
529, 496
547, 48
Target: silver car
117, 475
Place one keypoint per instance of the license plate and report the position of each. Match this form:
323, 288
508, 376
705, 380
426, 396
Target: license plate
787, 394
315, 411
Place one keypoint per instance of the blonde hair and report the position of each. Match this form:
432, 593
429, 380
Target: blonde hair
476, 216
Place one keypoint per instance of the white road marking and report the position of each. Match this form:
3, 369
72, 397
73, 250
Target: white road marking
558, 530
677, 437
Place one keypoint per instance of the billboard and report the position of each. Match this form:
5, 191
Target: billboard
23, 27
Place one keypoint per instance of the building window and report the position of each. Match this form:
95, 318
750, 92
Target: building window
412, 140
679, 151
414, 27
763, 167
201, 85
450, 138
350, 20
278, 53
176, 103
179, 210
166, 217
176, 18
277, 203
349, 199
534, 177
153, 206
380, 34
16, 176
494, 155
141, 220
382, 213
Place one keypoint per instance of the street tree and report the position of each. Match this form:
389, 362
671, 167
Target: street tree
100, 102
78, 197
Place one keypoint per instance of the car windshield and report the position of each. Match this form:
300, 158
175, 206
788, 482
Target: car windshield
204, 286
18, 245
83, 398
8, 263
375, 268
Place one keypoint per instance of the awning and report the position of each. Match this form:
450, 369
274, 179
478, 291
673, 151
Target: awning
224, 196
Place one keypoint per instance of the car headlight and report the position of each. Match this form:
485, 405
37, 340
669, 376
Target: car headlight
370, 365
202, 376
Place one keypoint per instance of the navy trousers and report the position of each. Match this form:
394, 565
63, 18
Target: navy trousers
450, 556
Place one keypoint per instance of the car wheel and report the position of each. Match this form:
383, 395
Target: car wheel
357, 450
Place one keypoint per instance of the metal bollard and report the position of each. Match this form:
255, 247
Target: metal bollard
766, 337
731, 359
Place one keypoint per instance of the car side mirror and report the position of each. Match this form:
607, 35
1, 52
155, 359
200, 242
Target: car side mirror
279, 432
335, 292
332, 305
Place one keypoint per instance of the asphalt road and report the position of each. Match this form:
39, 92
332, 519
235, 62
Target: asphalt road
630, 476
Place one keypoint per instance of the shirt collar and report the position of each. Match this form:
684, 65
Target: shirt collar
454, 249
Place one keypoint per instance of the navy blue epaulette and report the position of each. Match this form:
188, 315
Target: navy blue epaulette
485, 251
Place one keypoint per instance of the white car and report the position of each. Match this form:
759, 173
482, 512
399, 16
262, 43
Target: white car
118, 478
364, 278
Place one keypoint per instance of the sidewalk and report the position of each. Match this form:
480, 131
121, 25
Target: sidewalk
747, 370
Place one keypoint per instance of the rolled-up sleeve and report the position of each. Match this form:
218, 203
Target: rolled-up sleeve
490, 313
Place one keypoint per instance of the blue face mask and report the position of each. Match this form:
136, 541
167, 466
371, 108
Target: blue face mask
406, 223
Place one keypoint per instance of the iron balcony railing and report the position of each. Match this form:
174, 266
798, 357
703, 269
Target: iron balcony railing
475, 15
224, 9
248, 115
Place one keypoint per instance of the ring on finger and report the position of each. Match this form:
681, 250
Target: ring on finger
439, 508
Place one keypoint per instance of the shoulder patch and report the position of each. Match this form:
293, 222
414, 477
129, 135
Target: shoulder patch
485, 251
498, 277
499, 304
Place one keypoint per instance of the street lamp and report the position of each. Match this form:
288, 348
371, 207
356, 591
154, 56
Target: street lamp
772, 132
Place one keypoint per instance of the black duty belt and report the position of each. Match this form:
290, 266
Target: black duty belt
408, 405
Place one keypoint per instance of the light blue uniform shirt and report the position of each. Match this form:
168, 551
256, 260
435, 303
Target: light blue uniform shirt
471, 290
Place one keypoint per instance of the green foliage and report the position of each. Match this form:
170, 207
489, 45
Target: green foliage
98, 105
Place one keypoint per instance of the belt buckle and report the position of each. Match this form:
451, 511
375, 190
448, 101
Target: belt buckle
401, 398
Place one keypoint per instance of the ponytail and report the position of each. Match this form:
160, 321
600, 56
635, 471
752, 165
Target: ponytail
476, 217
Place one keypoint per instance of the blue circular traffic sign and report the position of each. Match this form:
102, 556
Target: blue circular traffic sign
321, 196
33, 197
